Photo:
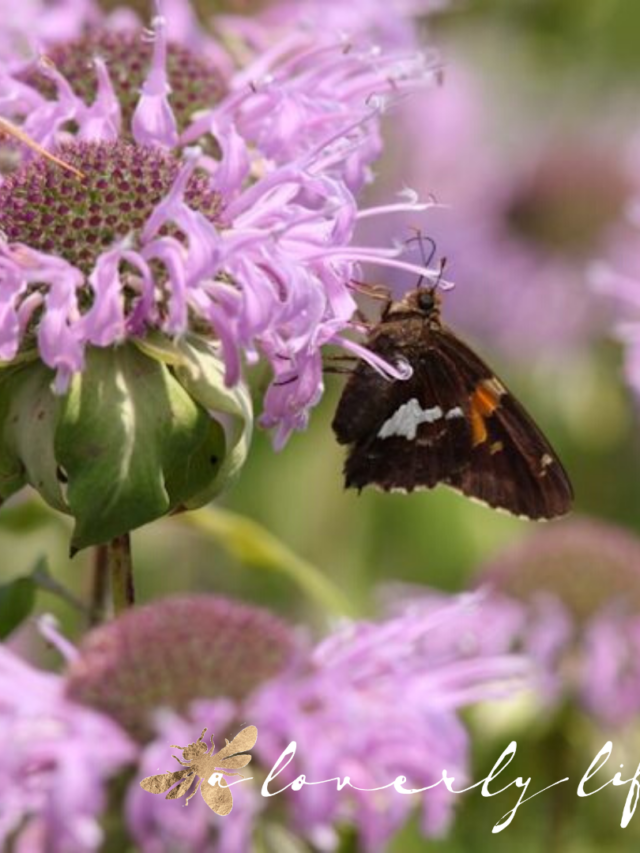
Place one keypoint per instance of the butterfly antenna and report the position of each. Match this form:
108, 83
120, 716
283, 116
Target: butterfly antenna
443, 263
421, 239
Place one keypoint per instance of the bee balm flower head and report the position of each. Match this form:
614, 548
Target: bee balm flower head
211, 227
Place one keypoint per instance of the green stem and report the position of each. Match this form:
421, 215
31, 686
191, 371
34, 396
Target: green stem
120, 570
253, 545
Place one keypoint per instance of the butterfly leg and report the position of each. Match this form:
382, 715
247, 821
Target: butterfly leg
375, 291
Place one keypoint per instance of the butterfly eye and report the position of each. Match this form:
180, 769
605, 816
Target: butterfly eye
426, 301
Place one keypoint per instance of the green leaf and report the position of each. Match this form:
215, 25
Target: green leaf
202, 372
28, 414
133, 444
16, 603
27, 516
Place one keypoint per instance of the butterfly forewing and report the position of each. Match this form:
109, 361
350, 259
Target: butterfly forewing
419, 434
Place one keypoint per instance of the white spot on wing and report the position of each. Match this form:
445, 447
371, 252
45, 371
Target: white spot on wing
456, 412
405, 421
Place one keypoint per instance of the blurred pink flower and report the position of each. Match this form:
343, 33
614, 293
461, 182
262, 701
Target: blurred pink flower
166, 670
617, 278
378, 700
578, 583
528, 203
58, 757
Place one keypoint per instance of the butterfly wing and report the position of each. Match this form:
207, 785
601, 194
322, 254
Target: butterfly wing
452, 422
408, 434
511, 465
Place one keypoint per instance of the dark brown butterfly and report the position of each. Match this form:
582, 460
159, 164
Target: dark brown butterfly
452, 422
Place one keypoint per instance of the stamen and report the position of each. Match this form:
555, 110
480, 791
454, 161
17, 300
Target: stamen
9, 129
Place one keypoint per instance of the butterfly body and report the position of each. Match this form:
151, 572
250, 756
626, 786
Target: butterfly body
452, 422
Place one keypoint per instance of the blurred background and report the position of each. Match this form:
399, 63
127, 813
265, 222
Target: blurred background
530, 147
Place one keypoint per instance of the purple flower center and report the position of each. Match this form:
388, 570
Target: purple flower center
196, 83
567, 203
171, 652
49, 209
585, 564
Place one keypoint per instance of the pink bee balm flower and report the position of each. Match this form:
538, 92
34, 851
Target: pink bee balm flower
163, 672
247, 236
212, 227
578, 583
58, 759
380, 700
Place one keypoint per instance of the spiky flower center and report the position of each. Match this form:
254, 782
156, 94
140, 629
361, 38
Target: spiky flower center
50, 209
196, 83
587, 565
172, 652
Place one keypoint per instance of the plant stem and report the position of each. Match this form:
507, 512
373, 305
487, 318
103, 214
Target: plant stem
100, 587
121, 571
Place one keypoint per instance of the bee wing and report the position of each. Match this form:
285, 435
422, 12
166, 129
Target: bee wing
217, 797
235, 762
161, 783
181, 789
243, 741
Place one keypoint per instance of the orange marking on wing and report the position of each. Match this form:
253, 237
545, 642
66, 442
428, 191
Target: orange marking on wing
478, 429
484, 401
486, 398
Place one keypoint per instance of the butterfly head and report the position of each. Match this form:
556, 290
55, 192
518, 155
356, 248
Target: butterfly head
422, 301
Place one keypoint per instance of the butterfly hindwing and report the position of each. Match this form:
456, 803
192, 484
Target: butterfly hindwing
511, 465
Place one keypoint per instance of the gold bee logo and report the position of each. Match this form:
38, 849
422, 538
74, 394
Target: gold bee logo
203, 763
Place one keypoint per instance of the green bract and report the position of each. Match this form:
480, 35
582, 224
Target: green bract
146, 429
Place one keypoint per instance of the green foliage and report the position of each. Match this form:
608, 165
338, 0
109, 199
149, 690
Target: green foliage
16, 603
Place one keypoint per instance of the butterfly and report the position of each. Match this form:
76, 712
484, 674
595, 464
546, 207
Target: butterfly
452, 422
